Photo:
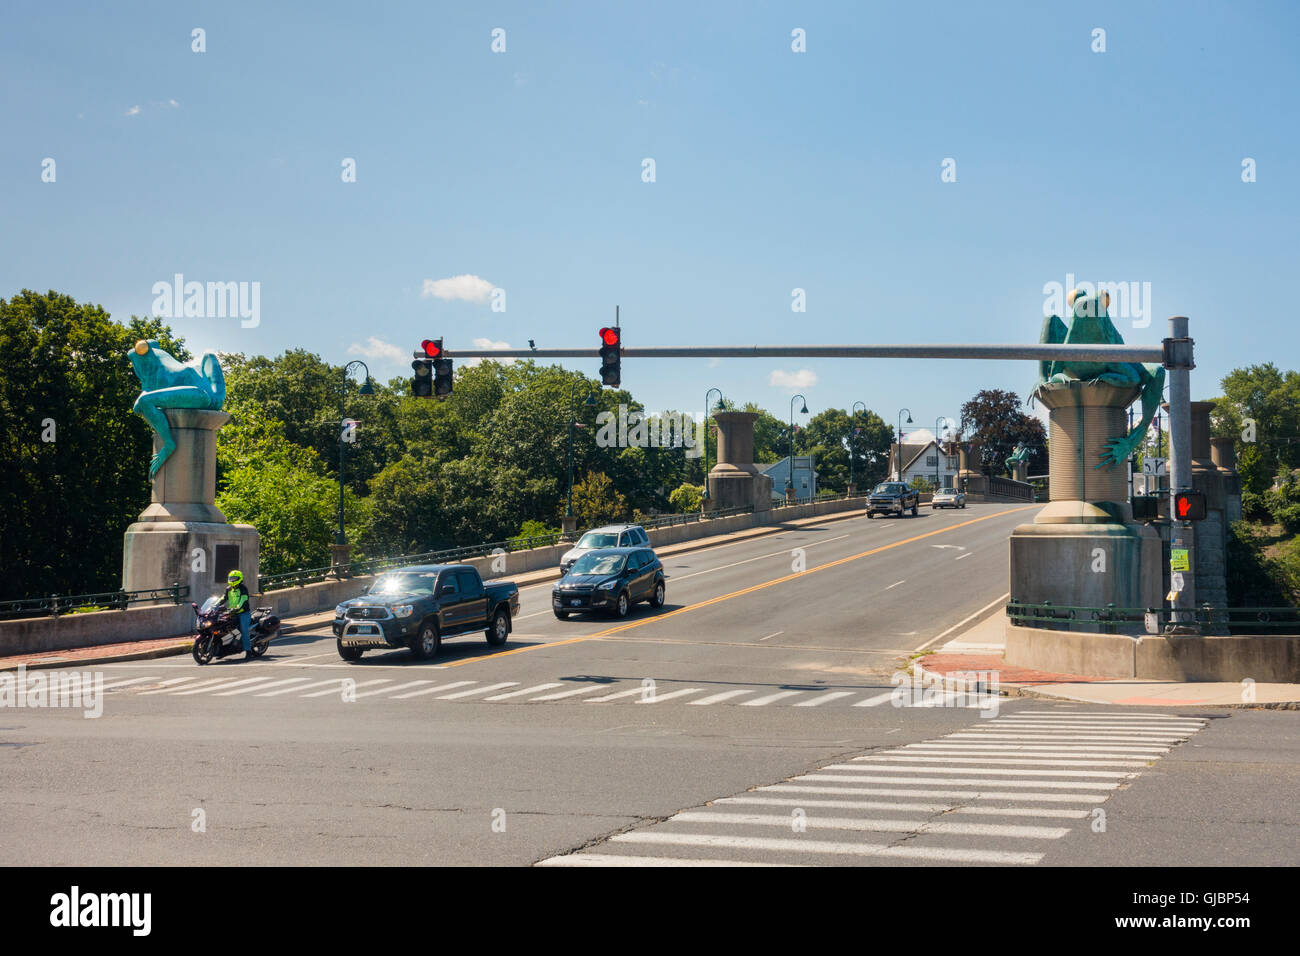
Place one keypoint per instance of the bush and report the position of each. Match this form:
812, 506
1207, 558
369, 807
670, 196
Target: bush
922, 484
1283, 501
686, 498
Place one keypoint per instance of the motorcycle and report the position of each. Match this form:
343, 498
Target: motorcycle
216, 631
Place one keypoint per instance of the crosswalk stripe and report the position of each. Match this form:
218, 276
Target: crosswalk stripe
477, 690
828, 847
877, 825
660, 698
994, 753
875, 701
982, 782
389, 690
612, 859
1057, 725
616, 696
792, 801
167, 685
825, 698
870, 766
1120, 715
123, 683
222, 686
1021, 761
433, 690
569, 693
1011, 747
526, 690
338, 690
249, 690
290, 690
1090, 799
779, 695
718, 698
1068, 738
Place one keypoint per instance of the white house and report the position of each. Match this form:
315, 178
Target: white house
805, 477
924, 460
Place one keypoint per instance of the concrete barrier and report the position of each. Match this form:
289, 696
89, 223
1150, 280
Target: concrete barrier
32, 635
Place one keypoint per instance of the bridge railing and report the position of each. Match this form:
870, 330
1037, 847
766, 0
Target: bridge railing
1238, 620
55, 604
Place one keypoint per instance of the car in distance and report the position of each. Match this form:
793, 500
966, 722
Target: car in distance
892, 498
418, 606
948, 498
610, 536
609, 579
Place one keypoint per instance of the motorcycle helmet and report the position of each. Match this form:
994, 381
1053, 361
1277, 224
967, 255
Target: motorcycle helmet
234, 577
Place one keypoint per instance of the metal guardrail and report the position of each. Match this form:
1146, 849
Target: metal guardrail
56, 604
1238, 620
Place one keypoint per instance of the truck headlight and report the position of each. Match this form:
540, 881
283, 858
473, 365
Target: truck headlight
340, 610
403, 610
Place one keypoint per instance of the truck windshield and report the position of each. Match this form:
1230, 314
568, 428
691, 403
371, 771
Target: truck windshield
599, 564
404, 583
887, 488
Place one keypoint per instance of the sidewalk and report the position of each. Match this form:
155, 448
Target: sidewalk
169, 646
980, 648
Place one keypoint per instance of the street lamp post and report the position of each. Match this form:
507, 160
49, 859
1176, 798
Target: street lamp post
938, 448
789, 475
588, 402
853, 410
898, 458
706, 436
340, 538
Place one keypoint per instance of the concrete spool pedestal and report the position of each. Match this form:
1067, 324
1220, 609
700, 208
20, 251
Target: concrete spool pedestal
182, 537
735, 481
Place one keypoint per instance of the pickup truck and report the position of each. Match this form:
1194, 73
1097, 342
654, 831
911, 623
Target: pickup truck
418, 606
892, 498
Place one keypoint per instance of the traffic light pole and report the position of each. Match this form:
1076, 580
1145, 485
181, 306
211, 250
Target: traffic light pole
1178, 361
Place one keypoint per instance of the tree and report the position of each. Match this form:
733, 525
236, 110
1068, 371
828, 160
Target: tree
993, 421
1260, 412
686, 498
74, 459
595, 502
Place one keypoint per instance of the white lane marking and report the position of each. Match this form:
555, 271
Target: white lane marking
829, 847
825, 698
775, 554
613, 859
875, 701
123, 683
289, 690
1025, 812
1011, 747
779, 695
477, 690
1089, 799
896, 584
770, 636
716, 698
872, 767
614, 696
966, 555
298, 660
876, 825
966, 620
1022, 760
1099, 724
222, 686
1118, 715
166, 685
339, 689
1068, 738
838, 804
526, 690
659, 698
435, 689
570, 693
956, 781
389, 690
1041, 754
249, 690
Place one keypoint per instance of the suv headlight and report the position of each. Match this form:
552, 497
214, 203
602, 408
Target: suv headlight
403, 610
609, 585
340, 610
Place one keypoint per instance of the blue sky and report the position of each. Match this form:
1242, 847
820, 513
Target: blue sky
774, 170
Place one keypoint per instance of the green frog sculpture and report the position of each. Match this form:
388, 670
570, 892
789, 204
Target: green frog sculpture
169, 384
1018, 454
1091, 325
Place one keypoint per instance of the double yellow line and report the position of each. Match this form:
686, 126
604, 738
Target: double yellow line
735, 594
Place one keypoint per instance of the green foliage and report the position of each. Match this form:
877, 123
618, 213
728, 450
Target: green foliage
66, 503
922, 484
1256, 578
595, 502
1269, 399
1283, 501
686, 498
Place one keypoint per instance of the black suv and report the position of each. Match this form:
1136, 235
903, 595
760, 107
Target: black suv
610, 579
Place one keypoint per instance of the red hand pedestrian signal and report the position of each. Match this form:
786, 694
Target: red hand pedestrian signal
1189, 505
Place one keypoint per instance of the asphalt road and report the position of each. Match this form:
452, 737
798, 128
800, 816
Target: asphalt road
756, 702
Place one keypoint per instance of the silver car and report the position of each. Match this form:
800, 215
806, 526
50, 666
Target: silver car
948, 498
610, 536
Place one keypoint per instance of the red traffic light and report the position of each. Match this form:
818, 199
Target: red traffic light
432, 347
609, 336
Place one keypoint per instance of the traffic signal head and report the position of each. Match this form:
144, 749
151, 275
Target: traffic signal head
422, 382
1189, 506
432, 347
442, 375
611, 356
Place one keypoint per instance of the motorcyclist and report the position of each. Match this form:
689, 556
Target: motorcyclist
237, 603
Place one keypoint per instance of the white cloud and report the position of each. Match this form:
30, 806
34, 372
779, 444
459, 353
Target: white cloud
804, 378
489, 344
133, 111
466, 287
173, 103
377, 350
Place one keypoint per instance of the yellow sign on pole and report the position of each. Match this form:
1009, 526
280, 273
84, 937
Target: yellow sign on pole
1178, 560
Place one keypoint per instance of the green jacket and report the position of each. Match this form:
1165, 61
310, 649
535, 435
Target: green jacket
237, 598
